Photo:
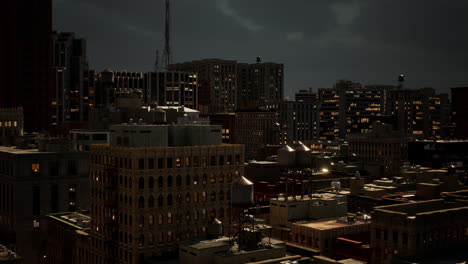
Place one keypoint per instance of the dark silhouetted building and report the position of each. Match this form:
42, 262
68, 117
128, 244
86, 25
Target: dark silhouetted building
70, 67
34, 183
460, 111
306, 96
26, 60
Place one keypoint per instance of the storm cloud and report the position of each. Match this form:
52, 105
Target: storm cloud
320, 41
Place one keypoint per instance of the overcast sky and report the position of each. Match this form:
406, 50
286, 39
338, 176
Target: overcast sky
319, 41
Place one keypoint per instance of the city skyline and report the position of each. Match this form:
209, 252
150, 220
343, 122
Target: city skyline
323, 42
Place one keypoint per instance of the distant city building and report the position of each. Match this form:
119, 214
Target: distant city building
26, 61
171, 89
382, 150
218, 83
259, 83
226, 85
157, 185
227, 121
68, 238
11, 124
307, 96
35, 183
419, 231
425, 114
460, 111
350, 108
71, 100
298, 121
438, 153
256, 129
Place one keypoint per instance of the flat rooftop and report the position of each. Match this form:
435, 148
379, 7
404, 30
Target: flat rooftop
73, 219
331, 224
17, 151
315, 196
7, 255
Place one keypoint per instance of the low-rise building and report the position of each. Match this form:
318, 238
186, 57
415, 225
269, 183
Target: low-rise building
321, 235
419, 230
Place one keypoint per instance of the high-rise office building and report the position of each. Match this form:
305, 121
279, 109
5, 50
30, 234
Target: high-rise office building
26, 60
218, 78
156, 185
171, 89
70, 66
425, 112
350, 108
298, 121
256, 129
259, 83
227, 85
34, 183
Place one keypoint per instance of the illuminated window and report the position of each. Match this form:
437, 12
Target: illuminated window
35, 167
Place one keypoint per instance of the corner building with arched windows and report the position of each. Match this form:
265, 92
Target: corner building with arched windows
156, 185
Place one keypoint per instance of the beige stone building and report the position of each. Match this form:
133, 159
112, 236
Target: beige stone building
419, 230
321, 235
149, 195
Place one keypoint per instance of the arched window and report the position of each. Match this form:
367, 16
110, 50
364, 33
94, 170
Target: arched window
141, 183
169, 181
204, 178
160, 237
150, 239
141, 202
169, 200
160, 181
221, 178
169, 236
212, 178
229, 177
196, 215
213, 196
160, 201
178, 218
178, 180
130, 184
187, 197
195, 197
203, 197
151, 201
141, 221
169, 218
221, 195
179, 198
187, 216
150, 220
151, 182
196, 179
221, 213
187, 180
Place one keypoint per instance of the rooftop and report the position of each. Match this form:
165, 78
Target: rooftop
332, 223
18, 151
6, 254
73, 219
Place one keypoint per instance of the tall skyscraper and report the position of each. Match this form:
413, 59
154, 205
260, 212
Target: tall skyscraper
70, 66
156, 185
26, 60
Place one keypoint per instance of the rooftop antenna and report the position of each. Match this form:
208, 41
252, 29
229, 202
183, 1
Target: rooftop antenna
167, 37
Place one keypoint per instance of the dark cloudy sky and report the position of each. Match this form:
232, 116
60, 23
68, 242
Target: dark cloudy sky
319, 41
